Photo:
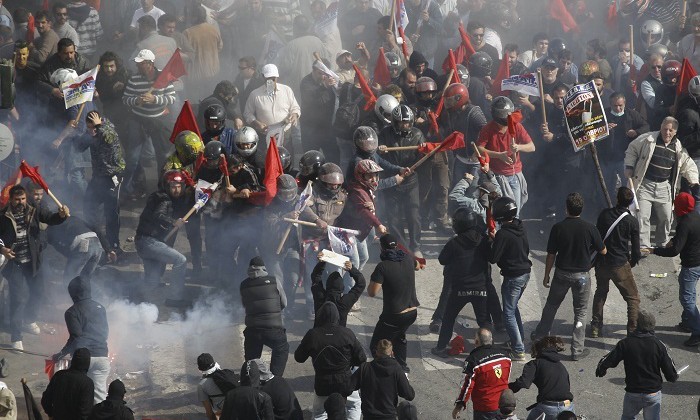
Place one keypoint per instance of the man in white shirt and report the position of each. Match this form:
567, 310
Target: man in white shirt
147, 8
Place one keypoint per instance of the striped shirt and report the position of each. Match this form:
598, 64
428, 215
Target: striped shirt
137, 86
666, 13
89, 30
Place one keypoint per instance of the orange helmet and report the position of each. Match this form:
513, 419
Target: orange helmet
456, 96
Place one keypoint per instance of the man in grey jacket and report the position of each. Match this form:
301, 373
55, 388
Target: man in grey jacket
655, 162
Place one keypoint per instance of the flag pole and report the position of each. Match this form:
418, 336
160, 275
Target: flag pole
300, 222
187, 215
393, 17
596, 162
684, 12
631, 73
540, 86
634, 194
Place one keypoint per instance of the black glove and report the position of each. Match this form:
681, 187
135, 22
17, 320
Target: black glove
599, 373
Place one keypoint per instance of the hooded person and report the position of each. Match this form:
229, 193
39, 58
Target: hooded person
284, 402
114, 407
247, 401
333, 291
70, 393
334, 350
407, 411
264, 299
87, 327
335, 407
419, 64
506, 405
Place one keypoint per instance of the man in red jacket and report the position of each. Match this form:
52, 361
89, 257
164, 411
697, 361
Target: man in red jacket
486, 372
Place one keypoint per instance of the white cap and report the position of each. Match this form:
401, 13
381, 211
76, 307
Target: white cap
145, 55
270, 70
342, 53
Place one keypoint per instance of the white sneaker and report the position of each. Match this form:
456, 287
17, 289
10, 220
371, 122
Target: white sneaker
32, 328
356, 307
17, 345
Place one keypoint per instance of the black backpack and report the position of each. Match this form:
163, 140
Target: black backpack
347, 117
225, 380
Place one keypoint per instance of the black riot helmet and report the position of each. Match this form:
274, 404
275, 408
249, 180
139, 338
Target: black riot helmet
215, 119
310, 163
504, 209
286, 188
501, 108
212, 153
401, 115
556, 46
480, 64
464, 219
285, 158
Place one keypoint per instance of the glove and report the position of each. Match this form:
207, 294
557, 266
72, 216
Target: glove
599, 373
56, 357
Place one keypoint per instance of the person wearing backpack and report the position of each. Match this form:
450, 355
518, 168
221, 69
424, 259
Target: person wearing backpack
214, 385
333, 292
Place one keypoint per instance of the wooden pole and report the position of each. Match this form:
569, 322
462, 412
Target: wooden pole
632, 73
630, 183
684, 11
393, 18
476, 150
187, 215
541, 88
596, 162
424, 158
58, 203
300, 222
399, 148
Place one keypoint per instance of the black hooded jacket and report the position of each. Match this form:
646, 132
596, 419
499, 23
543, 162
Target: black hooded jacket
333, 292
549, 375
70, 393
381, 382
157, 217
86, 321
511, 250
465, 258
113, 408
284, 402
247, 402
333, 350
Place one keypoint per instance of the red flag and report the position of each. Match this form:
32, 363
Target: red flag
11, 182
45, 5
95, 4
30, 29
687, 73
404, 46
465, 49
273, 170
223, 166
432, 119
513, 120
453, 142
171, 72
558, 11
381, 70
33, 174
503, 73
450, 63
201, 160
612, 17
188, 179
370, 99
185, 121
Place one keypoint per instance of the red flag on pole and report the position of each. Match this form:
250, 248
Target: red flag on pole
450, 63
370, 99
404, 46
30, 29
273, 170
11, 182
381, 70
465, 49
558, 11
223, 166
503, 73
453, 142
611, 20
513, 120
45, 5
687, 73
171, 72
33, 174
185, 121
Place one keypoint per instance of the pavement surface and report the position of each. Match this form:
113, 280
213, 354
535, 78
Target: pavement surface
154, 349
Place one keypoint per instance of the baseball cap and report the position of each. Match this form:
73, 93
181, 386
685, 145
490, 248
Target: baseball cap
145, 55
549, 62
388, 241
270, 70
342, 53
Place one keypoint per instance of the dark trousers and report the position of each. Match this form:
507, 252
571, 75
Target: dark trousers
493, 304
24, 287
101, 191
158, 129
434, 184
623, 279
455, 304
275, 339
393, 327
402, 211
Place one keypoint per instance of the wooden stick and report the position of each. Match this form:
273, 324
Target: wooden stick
631, 73
284, 239
684, 11
476, 149
187, 215
393, 17
631, 187
398, 148
596, 162
300, 222
58, 203
541, 88
426, 157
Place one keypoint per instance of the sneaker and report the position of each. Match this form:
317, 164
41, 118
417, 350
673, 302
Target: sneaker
693, 341
17, 345
595, 331
435, 327
32, 328
440, 351
356, 307
644, 252
578, 356
518, 356
681, 327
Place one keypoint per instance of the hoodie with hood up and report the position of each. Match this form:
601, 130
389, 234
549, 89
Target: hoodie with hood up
549, 375
86, 321
333, 292
70, 393
333, 350
247, 402
511, 250
381, 382
465, 258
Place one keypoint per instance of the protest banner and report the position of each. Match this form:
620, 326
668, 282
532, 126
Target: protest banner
80, 90
585, 119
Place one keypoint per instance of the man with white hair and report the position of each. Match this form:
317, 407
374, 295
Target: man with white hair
655, 162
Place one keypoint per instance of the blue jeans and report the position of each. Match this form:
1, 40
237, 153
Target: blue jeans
83, 263
101, 191
358, 257
515, 186
155, 255
634, 403
511, 291
687, 283
352, 407
550, 411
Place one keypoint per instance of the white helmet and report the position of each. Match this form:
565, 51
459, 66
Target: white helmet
652, 32
694, 87
385, 104
246, 141
61, 76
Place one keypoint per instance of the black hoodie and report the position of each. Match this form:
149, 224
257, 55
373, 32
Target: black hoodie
247, 402
549, 375
381, 382
510, 250
333, 350
465, 260
86, 321
70, 393
113, 408
333, 292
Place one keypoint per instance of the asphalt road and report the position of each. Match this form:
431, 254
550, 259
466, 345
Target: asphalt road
154, 350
